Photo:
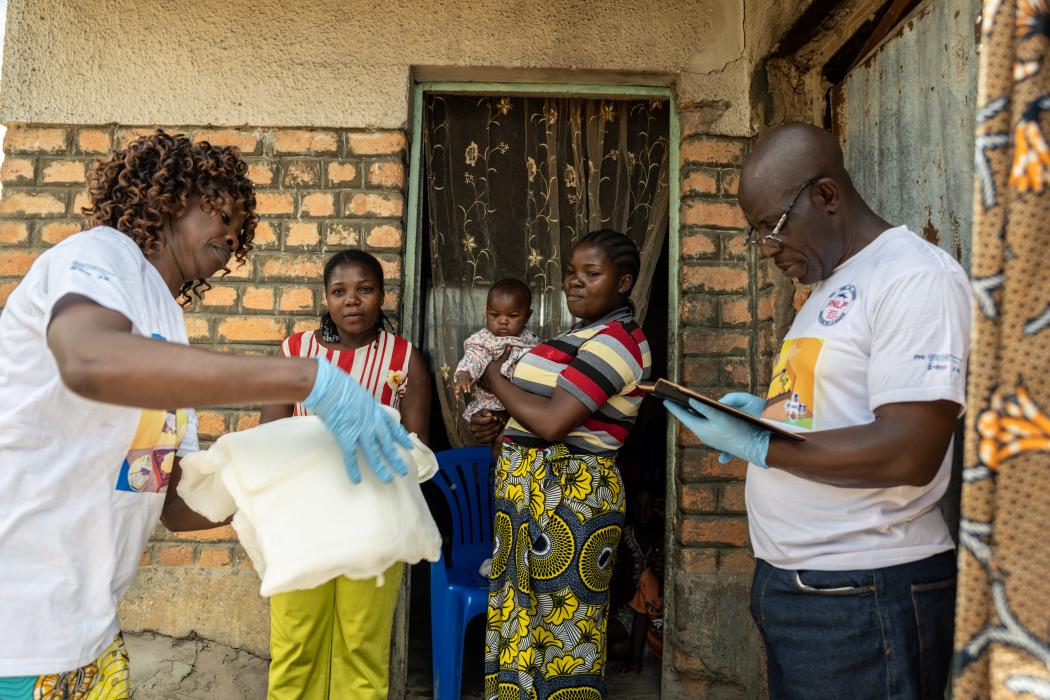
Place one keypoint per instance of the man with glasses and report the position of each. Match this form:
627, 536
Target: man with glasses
854, 584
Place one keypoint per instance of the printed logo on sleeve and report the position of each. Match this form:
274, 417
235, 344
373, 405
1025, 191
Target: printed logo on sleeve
940, 362
93, 270
837, 305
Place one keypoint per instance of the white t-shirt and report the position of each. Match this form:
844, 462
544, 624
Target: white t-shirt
82, 483
891, 325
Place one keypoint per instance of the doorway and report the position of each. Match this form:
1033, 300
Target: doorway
431, 263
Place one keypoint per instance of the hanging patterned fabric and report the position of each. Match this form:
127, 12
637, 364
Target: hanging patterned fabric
512, 183
1003, 609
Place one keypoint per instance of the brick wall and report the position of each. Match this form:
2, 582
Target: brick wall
318, 191
717, 345
324, 190
727, 314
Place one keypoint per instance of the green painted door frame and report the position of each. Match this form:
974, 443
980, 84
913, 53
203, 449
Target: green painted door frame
412, 322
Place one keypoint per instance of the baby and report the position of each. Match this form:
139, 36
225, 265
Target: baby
507, 310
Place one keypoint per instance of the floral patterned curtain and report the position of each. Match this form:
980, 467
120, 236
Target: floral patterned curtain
1002, 636
512, 183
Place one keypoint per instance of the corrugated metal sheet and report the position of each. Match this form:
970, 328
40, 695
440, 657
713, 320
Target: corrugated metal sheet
905, 117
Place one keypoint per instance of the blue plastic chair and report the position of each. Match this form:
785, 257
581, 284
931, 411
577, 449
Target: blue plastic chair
458, 593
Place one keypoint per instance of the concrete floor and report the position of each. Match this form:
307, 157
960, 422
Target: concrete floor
625, 686
621, 686
165, 668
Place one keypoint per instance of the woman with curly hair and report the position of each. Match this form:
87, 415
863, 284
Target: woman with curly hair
95, 387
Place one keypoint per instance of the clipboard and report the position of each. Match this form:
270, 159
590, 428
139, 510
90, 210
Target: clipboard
665, 389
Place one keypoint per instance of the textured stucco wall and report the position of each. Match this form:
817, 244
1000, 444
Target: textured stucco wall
348, 64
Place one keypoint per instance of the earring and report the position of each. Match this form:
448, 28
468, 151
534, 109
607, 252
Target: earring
329, 333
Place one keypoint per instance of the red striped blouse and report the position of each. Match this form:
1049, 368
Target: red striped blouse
381, 366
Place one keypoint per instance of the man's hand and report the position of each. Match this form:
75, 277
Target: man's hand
904, 446
870, 455
461, 385
748, 403
725, 433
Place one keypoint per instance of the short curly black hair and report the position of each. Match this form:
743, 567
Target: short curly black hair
139, 189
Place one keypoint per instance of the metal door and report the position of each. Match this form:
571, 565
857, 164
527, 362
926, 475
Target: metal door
905, 117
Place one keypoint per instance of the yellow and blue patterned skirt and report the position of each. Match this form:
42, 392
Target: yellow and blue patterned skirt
558, 518
104, 679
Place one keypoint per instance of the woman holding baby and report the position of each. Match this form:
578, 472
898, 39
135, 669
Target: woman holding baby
559, 500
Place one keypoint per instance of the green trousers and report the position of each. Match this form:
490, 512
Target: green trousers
333, 641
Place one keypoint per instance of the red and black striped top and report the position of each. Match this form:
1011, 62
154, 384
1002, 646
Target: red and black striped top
600, 364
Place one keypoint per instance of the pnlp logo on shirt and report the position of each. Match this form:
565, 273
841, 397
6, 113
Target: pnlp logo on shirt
837, 305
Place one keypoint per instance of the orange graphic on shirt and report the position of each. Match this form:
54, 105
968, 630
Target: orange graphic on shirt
791, 396
147, 467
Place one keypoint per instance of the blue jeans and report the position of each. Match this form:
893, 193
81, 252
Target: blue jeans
880, 633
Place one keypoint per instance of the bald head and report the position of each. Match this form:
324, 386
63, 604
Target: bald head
789, 155
801, 204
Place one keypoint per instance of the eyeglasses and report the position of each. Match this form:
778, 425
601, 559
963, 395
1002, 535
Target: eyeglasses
773, 237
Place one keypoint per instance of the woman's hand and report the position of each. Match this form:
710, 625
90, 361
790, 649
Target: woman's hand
358, 423
492, 371
487, 425
100, 359
551, 418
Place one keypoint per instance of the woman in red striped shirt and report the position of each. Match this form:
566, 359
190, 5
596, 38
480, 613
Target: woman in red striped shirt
334, 640
559, 499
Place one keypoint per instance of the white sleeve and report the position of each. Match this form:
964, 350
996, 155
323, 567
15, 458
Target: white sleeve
190, 443
921, 339
94, 265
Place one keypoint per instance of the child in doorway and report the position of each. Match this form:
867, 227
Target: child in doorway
507, 310
637, 586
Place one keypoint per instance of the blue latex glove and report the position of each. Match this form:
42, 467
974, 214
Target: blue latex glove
749, 404
358, 422
723, 432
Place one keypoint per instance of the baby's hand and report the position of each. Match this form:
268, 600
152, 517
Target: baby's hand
462, 385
